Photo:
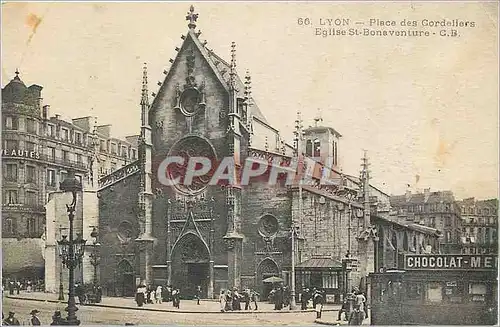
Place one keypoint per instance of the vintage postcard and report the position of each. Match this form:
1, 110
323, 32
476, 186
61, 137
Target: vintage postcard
249, 163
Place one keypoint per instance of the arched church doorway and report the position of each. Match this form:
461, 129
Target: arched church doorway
190, 266
125, 279
267, 268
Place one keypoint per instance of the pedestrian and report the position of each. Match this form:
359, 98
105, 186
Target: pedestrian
318, 300
278, 298
344, 310
222, 300
57, 320
140, 295
169, 293
152, 295
255, 295
229, 301
176, 298
11, 320
34, 321
198, 294
360, 301
11, 287
18, 287
303, 299
246, 297
236, 300
158, 294
356, 318
28, 286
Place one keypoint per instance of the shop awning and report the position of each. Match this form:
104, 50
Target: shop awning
21, 255
319, 264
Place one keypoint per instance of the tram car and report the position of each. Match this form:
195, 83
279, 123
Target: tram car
436, 290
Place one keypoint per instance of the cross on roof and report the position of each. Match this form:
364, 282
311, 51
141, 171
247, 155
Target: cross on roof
192, 17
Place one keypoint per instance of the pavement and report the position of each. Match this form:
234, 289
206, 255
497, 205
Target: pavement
186, 306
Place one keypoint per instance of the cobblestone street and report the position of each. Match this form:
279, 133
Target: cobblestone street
118, 311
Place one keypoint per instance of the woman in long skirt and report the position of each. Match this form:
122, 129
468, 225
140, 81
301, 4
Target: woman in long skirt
222, 301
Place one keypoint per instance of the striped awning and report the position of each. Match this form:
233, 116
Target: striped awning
319, 264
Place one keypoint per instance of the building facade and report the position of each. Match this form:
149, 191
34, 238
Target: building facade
230, 234
479, 226
37, 152
437, 210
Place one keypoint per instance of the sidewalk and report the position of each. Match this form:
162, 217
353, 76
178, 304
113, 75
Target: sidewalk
334, 322
186, 306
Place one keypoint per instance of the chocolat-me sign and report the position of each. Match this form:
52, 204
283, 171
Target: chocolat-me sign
450, 262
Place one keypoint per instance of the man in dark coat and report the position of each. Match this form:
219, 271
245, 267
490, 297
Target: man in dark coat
57, 320
236, 300
11, 320
278, 299
304, 298
198, 295
35, 321
254, 298
246, 298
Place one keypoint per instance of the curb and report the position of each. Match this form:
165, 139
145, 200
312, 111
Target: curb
169, 310
337, 323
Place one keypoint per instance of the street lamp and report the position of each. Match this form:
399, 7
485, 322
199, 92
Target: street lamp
71, 250
95, 258
61, 287
294, 230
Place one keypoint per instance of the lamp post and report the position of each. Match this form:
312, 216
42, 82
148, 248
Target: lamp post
95, 258
71, 249
61, 287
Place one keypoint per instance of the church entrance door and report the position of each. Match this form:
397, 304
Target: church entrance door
267, 268
125, 281
190, 266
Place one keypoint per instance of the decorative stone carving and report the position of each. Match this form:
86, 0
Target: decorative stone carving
268, 226
186, 148
230, 242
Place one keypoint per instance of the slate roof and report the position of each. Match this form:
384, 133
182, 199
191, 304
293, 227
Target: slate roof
420, 198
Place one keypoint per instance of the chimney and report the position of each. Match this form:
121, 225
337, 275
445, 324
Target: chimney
58, 116
408, 195
46, 112
427, 193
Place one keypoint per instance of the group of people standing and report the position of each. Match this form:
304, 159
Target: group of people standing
354, 308
313, 297
150, 294
231, 300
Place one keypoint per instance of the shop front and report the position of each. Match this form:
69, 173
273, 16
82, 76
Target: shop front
322, 274
437, 290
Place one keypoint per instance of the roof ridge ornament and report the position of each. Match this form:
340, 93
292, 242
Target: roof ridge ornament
192, 17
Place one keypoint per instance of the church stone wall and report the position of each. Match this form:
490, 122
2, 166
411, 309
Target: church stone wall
118, 227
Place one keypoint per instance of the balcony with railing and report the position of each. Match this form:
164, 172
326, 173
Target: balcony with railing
63, 162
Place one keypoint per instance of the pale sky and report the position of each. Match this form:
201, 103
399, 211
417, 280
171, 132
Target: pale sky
425, 109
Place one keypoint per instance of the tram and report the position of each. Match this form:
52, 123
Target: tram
436, 290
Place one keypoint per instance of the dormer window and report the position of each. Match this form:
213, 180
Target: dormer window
316, 148
65, 135
30, 125
78, 138
309, 148
51, 130
11, 123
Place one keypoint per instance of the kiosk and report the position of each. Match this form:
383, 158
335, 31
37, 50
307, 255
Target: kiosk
436, 289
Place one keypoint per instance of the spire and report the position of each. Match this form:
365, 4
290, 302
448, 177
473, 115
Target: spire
144, 96
365, 181
192, 17
298, 133
232, 73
